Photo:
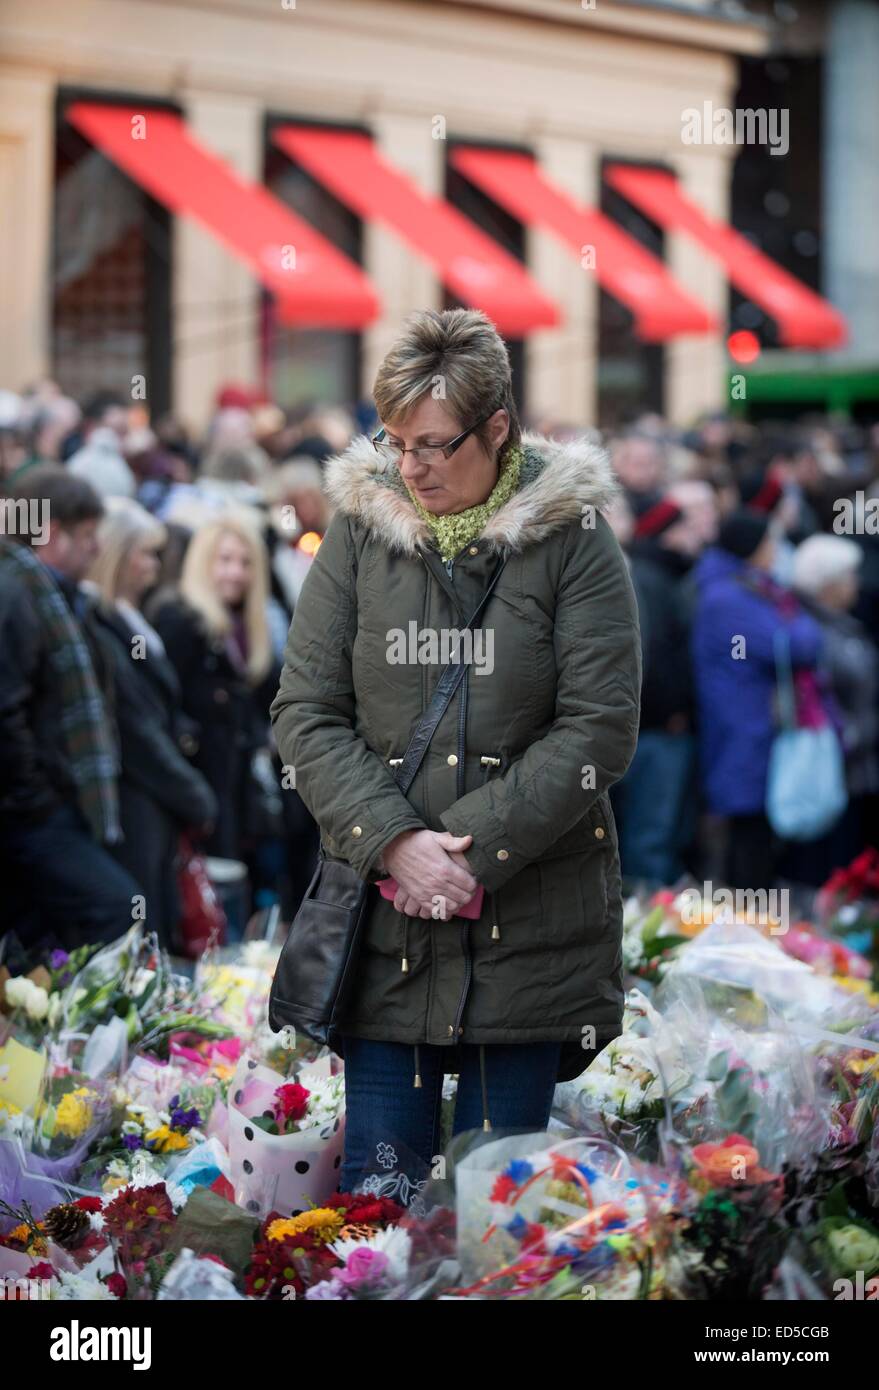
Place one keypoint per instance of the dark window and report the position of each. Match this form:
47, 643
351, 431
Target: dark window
110, 277
630, 371
497, 223
776, 201
310, 365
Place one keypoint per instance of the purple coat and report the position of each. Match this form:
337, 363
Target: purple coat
734, 692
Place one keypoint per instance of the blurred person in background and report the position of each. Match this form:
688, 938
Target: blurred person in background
639, 461
621, 520
826, 571
13, 446
243, 463
48, 417
216, 633
697, 500
656, 799
105, 409
299, 515
59, 764
739, 609
161, 793
101, 463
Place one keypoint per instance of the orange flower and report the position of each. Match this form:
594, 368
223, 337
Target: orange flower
733, 1163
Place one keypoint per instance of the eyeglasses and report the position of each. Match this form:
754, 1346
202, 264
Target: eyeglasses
423, 453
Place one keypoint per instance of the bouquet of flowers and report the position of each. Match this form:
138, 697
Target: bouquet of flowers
132, 979
142, 1145
64, 1239
652, 932
350, 1247
631, 1085
826, 954
848, 904
577, 1218
285, 1136
72, 1114
738, 1231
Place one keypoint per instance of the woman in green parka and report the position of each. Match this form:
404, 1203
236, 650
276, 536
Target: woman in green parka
512, 795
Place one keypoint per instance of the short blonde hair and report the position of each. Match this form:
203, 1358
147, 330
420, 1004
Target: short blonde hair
462, 350
196, 586
124, 525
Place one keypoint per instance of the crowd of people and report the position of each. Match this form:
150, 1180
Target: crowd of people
147, 582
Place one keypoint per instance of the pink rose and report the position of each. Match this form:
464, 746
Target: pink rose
363, 1268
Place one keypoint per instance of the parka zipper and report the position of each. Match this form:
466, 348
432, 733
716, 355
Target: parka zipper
449, 565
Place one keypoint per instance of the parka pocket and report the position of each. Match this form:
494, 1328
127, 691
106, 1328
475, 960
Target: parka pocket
594, 832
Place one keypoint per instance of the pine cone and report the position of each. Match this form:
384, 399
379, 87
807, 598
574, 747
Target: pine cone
67, 1225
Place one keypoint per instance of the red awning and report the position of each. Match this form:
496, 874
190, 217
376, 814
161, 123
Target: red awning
470, 263
315, 283
805, 319
624, 268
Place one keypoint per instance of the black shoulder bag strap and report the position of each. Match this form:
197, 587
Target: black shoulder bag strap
446, 686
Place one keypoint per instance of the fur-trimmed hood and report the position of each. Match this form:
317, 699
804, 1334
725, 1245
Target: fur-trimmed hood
556, 482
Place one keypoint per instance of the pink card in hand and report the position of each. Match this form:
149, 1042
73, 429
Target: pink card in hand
472, 908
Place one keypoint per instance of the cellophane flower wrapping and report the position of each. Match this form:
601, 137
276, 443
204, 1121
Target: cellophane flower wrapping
292, 1171
574, 1218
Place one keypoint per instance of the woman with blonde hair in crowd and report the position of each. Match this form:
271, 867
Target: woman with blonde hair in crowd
216, 631
161, 793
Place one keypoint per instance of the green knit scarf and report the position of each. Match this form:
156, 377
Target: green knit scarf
452, 531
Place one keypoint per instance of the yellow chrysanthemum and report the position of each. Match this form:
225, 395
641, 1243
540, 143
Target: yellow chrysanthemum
9, 1107
323, 1222
111, 1184
36, 1245
74, 1113
167, 1140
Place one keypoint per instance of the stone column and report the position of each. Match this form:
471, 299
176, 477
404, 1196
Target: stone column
27, 162
215, 297
696, 365
850, 171
403, 280
561, 362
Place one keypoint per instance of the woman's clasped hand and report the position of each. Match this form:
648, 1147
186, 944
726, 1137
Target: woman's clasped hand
432, 873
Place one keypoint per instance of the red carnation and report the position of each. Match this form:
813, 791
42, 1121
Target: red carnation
360, 1206
89, 1203
116, 1284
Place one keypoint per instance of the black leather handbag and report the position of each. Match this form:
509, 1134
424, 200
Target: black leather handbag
316, 966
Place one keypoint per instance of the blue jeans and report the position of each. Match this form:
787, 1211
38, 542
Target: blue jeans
392, 1128
654, 805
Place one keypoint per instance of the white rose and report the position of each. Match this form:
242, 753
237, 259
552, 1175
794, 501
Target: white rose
37, 1002
16, 990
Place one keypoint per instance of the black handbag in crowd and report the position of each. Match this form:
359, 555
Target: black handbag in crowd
316, 966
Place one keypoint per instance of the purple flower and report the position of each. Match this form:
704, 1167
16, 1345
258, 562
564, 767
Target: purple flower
58, 958
185, 1120
363, 1267
132, 1141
